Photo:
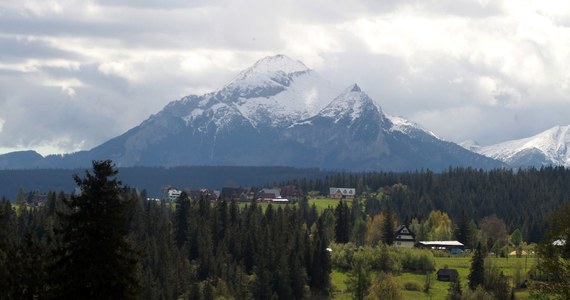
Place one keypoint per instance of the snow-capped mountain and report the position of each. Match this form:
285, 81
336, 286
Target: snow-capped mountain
551, 147
276, 91
278, 112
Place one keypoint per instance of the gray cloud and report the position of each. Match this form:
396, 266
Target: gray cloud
76, 73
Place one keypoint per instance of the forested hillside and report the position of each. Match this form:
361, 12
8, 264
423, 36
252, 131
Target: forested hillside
111, 243
523, 198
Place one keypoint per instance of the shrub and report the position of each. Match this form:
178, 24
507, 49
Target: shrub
386, 287
417, 260
342, 255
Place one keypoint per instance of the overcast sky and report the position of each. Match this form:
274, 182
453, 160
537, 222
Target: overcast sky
74, 74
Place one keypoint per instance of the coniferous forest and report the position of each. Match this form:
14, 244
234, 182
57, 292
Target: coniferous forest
110, 242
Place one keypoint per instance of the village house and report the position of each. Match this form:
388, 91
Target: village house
246, 194
212, 195
173, 194
341, 193
231, 193
404, 237
267, 195
291, 192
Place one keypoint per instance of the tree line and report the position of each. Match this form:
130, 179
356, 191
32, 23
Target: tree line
510, 194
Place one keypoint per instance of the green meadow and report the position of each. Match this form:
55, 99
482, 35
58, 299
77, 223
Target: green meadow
439, 289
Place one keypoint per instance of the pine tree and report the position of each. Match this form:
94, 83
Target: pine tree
320, 266
477, 273
462, 231
342, 227
181, 219
95, 260
7, 240
388, 230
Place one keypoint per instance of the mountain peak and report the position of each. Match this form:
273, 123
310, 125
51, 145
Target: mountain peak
550, 147
355, 88
274, 64
351, 103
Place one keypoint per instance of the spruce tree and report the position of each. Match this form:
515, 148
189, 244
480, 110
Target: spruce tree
320, 266
477, 273
343, 226
181, 219
388, 230
7, 240
462, 232
95, 260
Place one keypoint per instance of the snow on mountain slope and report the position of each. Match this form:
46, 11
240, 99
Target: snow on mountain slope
268, 66
549, 147
349, 105
408, 127
277, 90
471, 145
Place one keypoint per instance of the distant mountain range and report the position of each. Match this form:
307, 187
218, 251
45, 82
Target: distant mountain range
278, 112
551, 147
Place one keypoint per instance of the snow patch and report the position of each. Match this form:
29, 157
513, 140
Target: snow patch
408, 127
554, 143
351, 103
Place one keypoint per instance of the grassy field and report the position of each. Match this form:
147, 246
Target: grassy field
438, 288
323, 203
320, 203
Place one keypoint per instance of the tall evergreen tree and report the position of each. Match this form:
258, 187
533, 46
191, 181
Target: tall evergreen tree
462, 233
320, 267
181, 216
477, 273
95, 260
388, 230
7, 239
342, 227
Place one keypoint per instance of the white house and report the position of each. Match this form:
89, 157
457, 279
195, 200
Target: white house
404, 237
173, 194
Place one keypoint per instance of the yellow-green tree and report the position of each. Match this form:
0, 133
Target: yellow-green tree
386, 287
439, 226
375, 229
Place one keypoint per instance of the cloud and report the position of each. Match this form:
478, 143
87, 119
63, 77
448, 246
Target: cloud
75, 73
